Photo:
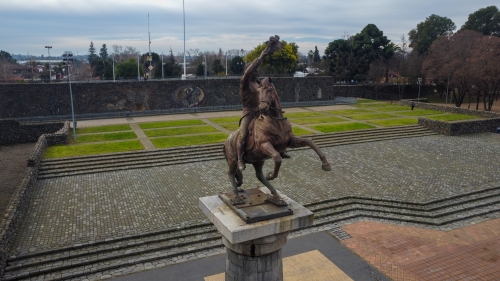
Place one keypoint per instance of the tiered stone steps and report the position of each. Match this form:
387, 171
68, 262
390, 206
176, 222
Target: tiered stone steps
198, 240
51, 168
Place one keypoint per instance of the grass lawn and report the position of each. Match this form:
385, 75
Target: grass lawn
230, 126
188, 140
392, 108
103, 129
317, 120
395, 122
57, 151
220, 120
106, 137
180, 131
300, 132
348, 111
452, 117
374, 104
304, 114
365, 101
370, 116
418, 112
328, 128
174, 123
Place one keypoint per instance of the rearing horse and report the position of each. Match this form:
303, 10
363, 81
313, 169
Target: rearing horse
270, 134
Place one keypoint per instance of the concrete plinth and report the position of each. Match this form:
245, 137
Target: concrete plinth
254, 250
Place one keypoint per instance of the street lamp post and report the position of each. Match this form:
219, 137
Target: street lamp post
50, 69
184, 22
68, 57
114, 80
419, 82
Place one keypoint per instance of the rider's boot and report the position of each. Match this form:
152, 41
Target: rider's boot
240, 150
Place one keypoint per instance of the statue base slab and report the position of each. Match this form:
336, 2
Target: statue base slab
235, 230
254, 207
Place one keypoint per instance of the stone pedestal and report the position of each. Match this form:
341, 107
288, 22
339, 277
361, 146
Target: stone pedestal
254, 250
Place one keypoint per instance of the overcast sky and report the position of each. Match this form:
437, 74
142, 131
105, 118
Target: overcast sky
70, 25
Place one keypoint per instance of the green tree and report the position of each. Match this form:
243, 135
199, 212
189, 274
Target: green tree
237, 65
170, 67
103, 52
217, 67
369, 45
339, 55
316, 56
128, 69
421, 38
6, 56
92, 54
200, 70
282, 61
485, 20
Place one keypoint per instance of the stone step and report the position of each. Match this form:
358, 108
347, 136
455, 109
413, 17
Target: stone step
127, 161
113, 253
194, 241
441, 220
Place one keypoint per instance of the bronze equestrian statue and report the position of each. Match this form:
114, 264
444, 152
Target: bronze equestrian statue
264, 133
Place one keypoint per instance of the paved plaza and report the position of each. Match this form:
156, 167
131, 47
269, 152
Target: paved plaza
84, 209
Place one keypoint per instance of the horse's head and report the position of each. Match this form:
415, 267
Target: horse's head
267, 95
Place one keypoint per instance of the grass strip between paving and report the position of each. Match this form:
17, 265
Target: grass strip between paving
174, 123
188, 140
104, 129
106, 137
57, 151
317, 120
304, 114
395, 122
180, 131
300, 131
329, 128
452, 117
221, 120
370, 116
348, 111
418, 112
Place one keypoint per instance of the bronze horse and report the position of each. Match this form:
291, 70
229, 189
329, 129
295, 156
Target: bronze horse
270, 134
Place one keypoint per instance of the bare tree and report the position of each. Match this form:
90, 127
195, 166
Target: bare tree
453, 56
485, 69
6, 69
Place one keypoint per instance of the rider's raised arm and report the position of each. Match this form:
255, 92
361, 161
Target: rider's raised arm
255, 64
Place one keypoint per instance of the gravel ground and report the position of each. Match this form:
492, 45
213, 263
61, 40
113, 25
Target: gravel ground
12, 170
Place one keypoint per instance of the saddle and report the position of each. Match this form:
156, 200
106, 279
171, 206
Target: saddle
261, 128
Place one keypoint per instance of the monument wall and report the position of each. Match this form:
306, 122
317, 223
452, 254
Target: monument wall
27, 100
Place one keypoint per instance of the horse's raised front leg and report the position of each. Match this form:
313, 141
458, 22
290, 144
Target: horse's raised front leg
268, 149
300, 142
275, 199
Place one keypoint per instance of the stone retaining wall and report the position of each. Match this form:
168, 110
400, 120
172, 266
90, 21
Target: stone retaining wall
460, 127
13, 132
450, 109
20, 200
490, 121
29, 100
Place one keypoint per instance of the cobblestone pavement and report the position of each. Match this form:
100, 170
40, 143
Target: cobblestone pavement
77, 209
409, 253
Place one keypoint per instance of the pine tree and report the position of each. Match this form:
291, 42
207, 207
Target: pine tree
92, 54
104, 52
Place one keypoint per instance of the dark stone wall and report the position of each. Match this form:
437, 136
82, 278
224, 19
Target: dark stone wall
12, 132
28, 100
19, 203
460, 127
490, 121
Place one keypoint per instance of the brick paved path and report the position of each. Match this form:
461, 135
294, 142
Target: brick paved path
408, 253
72, 210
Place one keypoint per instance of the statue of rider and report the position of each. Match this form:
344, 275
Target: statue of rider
249, 84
